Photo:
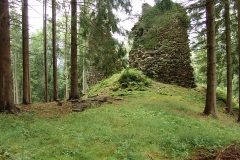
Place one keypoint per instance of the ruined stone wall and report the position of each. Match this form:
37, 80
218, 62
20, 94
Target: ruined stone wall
167, 56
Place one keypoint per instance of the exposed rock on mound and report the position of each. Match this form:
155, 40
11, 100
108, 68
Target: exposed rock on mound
161, 46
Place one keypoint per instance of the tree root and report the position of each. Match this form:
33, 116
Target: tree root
224, 149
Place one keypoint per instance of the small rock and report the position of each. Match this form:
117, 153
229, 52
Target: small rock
84, 100
95, 104
74, 100
118, 98
92, 96
82, 106
77, 110
103, 99
93, 99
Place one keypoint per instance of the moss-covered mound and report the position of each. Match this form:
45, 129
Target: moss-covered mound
132, 79
126, 80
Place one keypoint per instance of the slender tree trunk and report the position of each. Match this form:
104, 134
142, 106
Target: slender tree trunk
16, 80
65, 57
238, 6
84, 72
6, 82
210, 106
55, 85
25, 41
45, 48
229, 58
74, 72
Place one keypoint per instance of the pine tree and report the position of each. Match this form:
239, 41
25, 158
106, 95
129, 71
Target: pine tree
54, 52
210, 106
104, 61
74, 70
238, 8
25, 51
229, 57
6, 83
45, 48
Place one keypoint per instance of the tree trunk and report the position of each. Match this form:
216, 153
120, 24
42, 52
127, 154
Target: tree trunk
238, 6
65, 56
55, 85
210, 106
84, 72
45, 48
16, 91
25, 50
74, 72
229, 58
6, 82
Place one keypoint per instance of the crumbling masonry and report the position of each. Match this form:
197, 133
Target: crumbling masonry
162, 52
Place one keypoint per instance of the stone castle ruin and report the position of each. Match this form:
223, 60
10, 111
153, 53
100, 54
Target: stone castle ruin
161, 46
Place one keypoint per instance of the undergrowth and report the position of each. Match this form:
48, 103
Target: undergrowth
132, 79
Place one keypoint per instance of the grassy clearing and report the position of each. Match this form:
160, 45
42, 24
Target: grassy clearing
163, 122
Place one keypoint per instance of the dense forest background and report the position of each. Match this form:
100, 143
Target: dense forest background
63, 59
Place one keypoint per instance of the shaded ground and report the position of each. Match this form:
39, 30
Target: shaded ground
52, 109
47, 109
231, 152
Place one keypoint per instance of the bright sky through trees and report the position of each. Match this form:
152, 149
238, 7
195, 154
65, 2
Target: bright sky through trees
36, 14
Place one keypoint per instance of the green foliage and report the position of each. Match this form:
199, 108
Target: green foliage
132, 78
127, 80
107, 55
221, 95
105, 83
164, 5
197, 14
165, 44
154, 19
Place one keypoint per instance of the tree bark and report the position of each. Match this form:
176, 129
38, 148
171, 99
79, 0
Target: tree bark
45, 48
55, 85
84, 72
238, 6
229, 58
65, 56
16, 91
210, 106
6, 82
25, 52
74, 72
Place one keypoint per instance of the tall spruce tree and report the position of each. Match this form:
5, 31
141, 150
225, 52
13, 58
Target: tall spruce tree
16, 50
106, 60
45, 48
54, 51
210, 106
6, 83
74, 69
227, 68
238, 8
25, 52
228, 57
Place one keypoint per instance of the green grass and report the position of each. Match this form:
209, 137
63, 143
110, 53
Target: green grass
162, 122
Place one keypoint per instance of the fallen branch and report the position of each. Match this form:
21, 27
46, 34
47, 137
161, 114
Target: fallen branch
218, 156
